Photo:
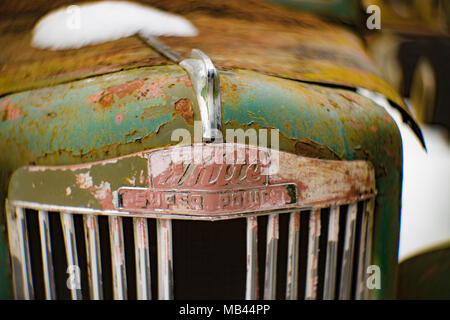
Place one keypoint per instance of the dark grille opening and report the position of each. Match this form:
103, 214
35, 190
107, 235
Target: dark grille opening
153, 256
34, 243
58, 256
105, 252
282, 256
262, 243
81, 252
209, 259
130, 261
303, 256
324, 221
341, 241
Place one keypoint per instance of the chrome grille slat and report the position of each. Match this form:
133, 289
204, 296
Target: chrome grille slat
118, 258
332, 252
293, 256
165, 266
18, 239
368, 256
71, 255
360, 284
251, 291
352, 261
93, 256
142, 258
349, 245
271, 257
313, 255
47, 261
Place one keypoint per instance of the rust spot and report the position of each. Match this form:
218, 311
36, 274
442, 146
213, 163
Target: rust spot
106, 97
9, 111
334, 104
119, 118
125, 89
107, 100
308, 148
95, 97
184, 108
349, 98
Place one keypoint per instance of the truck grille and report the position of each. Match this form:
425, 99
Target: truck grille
320, 253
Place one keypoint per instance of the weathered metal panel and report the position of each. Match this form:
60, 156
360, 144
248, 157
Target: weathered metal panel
187, 180
5, 271
270, 39
313, 121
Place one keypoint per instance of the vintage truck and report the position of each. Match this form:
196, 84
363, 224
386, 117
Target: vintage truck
101, 202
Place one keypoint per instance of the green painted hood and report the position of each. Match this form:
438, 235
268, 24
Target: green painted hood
134, 110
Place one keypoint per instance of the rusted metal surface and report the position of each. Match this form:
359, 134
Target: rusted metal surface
142, 255
293, 257
349, 249
332, 252
165, 259
118, 258
188, 181
270, 278
270, 39
20, 254
91, 234
312, 269
251, 287
68, 228
47, 259
313, 121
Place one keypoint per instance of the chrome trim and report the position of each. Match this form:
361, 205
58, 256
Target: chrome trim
361, 275
206, 84
118, 258
312, 274
347, 258
270, 281
160, 47
368, 257
331, 258
251, 289
91, 234
71, 252
205, 81
20, 257
47, 260
142, 259
165, 265
293, 256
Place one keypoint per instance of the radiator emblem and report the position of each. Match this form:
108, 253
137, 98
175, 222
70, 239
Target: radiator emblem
210, 180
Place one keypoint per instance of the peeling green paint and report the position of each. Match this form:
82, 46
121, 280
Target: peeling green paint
70, 123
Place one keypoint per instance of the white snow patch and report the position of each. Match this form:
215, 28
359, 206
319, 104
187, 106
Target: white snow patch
76, 26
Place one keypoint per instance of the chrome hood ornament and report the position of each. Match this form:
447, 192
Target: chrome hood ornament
54, 32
